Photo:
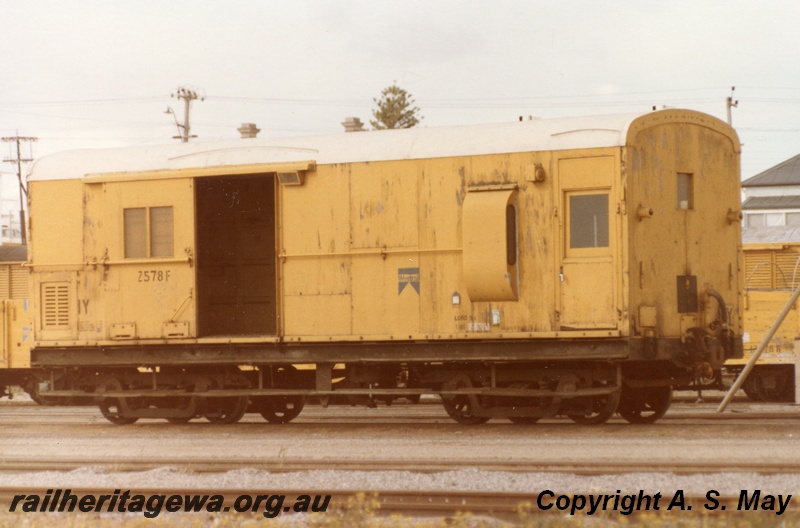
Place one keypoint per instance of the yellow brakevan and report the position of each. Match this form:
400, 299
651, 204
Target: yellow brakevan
548, 267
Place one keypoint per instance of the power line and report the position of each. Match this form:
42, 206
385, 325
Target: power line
69, 102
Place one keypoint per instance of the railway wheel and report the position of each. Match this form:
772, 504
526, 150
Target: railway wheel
603, 408
752, 388
458, 406
281, 409
227, 409
188, 407
110, 407
644, 405
770, 385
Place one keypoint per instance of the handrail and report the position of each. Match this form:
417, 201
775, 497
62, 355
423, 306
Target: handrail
98, 263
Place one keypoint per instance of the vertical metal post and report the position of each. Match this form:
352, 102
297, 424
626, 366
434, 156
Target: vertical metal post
184, 129
186, 103
730, 103
23, 192
22, 231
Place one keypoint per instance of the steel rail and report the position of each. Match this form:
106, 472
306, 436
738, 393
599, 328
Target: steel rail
288, 465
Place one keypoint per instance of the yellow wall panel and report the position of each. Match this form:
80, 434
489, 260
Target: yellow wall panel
317, 315
386, 295
321, 275
384, 204
55, 212
315, 216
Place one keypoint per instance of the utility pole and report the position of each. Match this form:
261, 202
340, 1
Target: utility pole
19, 160
184, 129
729, 104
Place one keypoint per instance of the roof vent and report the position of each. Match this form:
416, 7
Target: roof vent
248, 130
352, 124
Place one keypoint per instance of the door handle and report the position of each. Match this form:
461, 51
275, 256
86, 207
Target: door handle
561, 274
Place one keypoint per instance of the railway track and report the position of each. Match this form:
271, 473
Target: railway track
563, 455
431, 410
289, 465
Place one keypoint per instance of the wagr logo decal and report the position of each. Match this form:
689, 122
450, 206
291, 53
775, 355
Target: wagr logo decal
406, 276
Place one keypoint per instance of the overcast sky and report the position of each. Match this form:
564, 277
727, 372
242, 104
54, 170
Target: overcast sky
100, 73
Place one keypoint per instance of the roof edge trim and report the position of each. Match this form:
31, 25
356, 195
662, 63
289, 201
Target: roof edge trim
661, 117
199, 172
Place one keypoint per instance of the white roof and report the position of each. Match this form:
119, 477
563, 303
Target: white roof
415, 143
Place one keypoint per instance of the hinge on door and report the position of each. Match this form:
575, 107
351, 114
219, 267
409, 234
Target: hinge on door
555, 211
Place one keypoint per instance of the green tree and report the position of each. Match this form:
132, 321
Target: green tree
395, 109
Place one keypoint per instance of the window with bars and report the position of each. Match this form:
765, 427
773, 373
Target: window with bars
148, 232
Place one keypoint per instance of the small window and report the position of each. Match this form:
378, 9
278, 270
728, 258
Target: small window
773, 219
685, 192
755, 220
511, 235
793, 219
588, 220
161, 232
135, 233
148, 232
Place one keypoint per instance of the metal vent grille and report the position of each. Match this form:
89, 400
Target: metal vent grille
771, 269
55, 305
4, 282
18, 283
787, 269
13, 282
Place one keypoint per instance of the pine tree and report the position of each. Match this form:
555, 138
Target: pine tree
395, 109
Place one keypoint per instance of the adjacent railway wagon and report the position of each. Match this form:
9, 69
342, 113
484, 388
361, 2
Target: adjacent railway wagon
16, 321
570, 267
772, 272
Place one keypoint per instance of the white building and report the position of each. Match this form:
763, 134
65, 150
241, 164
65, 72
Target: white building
9, 228
771, 204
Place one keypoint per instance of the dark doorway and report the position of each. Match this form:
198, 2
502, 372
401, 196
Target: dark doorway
236, 293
